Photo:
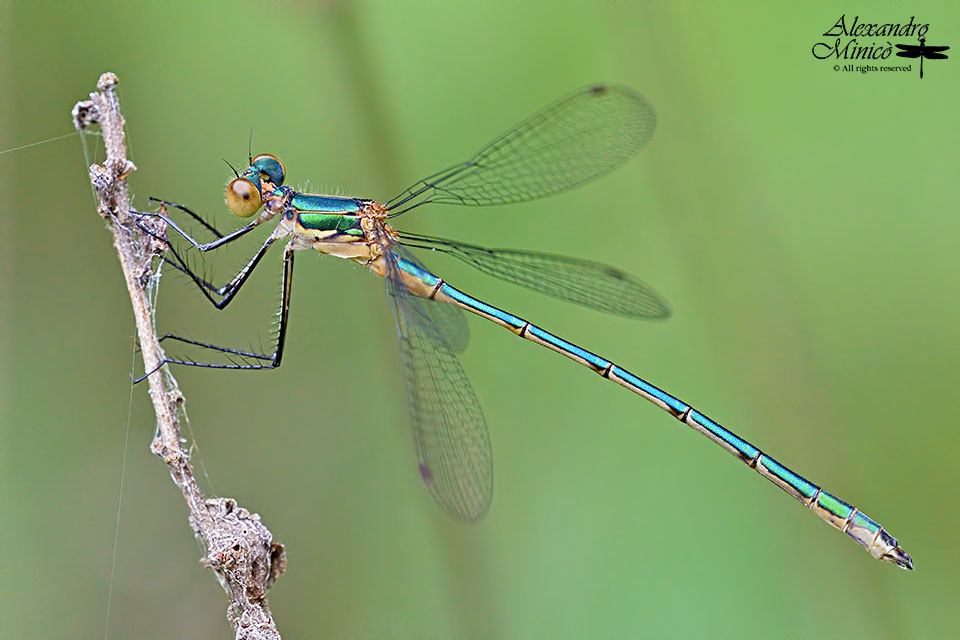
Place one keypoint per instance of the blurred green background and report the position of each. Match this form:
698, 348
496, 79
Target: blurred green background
802, 222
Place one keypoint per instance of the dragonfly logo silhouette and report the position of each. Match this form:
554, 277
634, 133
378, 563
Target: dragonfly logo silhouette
921, 51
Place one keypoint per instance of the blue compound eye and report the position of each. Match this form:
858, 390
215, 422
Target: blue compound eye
270, 168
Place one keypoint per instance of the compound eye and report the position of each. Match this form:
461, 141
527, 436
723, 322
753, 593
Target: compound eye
270, 168
243, 198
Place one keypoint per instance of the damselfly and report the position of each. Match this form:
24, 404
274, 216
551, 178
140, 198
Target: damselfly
576, 139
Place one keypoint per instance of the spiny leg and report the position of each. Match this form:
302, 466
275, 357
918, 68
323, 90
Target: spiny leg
179, 264
202, 246
272, 360
193, 214
213, 347
229, 290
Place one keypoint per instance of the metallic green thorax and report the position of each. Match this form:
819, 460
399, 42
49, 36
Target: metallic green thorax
324, 204
327, 213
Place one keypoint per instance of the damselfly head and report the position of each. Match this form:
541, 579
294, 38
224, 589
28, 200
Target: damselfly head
245, 193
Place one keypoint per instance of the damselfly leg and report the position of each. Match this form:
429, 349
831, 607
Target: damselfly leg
271, 361
227, 291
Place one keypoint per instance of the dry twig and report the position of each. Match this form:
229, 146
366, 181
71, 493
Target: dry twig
240, 549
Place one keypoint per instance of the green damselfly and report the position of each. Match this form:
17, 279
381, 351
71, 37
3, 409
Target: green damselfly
576, 139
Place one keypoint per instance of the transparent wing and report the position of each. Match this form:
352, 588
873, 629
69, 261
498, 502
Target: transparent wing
591, 284
450, 321
577, 138
449, 430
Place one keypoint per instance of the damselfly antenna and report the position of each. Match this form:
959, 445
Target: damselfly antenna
235, 172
